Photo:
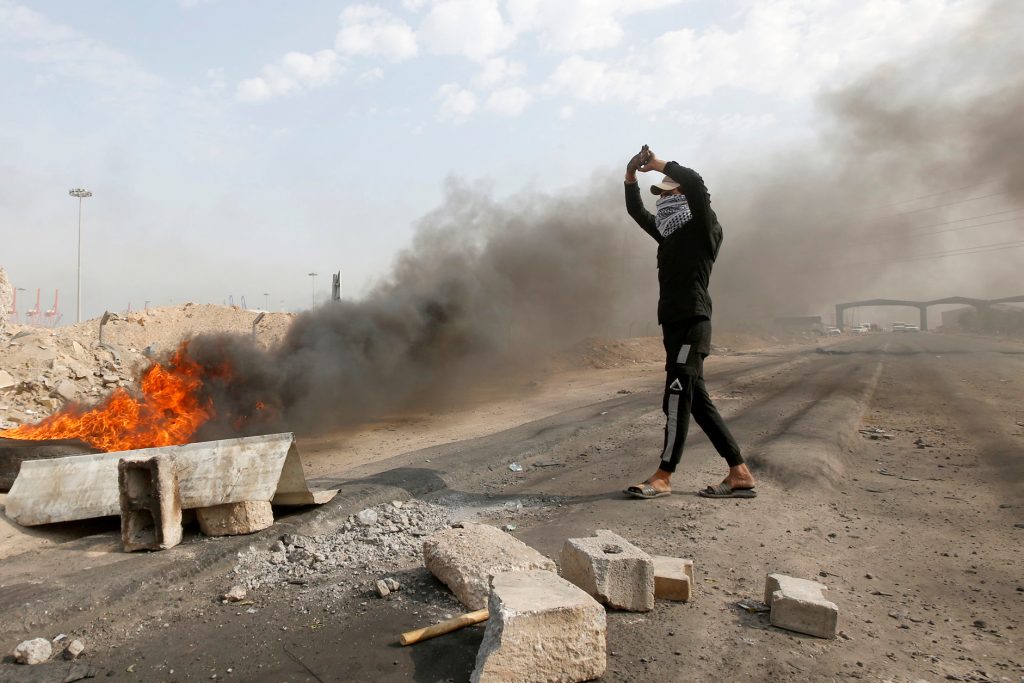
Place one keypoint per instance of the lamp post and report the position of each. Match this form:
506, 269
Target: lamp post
81, 194
313, 276
266, 295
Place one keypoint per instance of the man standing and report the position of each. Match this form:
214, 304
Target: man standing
688, 236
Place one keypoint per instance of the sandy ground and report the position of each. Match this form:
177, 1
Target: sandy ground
915, 534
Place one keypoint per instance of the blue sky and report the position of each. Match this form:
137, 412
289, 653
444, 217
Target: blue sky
234, 146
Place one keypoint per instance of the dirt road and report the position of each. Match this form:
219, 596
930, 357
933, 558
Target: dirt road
913, 531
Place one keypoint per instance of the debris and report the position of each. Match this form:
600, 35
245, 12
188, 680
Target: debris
753, 606
465, 559
673, 578
382, 588
234, 594
447, 626
367, 517
74, 649
234, 519
35, 651
800, 605
876, 433
515, 467
392, 584
611, 569
541, 628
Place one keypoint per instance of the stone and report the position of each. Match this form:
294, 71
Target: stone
799, 605
367, 517
150, 502
465, 559
74, 649
611, 569
35, 651
7, 381
673, 578
382, 588
234, 519
541, 628
392, 584
235, 594
66, 390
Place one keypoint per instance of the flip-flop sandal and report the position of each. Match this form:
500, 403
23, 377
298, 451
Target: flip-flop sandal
645, 491
726, 491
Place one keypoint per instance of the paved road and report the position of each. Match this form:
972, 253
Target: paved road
927, 514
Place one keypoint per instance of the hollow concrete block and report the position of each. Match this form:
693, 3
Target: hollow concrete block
611, 569
235, 519
465, 559
541, 629
800, 605
150, 502
673, 578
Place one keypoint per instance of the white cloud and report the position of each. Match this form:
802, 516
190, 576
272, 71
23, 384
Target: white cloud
368, 30
370, 75
457, 103
569, 26
498, 70
509, 101
413, 5
566, 112
790, 48
32, 37
470, 28
296, 72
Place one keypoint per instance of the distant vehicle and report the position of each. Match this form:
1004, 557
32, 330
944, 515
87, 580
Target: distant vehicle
911, 328
833, 331
860, 329
899, 327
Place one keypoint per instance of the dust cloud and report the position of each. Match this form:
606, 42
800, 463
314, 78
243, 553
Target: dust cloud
490, 284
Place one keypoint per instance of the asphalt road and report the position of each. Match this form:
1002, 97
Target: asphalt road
914, 534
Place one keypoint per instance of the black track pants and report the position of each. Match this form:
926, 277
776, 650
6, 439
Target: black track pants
686, 346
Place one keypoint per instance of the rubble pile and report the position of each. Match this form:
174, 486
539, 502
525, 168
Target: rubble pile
382, 539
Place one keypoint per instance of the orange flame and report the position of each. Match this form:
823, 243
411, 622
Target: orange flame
168, 412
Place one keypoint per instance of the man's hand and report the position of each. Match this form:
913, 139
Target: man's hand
636, 162
650, 162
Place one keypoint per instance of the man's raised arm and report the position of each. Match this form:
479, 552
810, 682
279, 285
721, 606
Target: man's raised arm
635, 205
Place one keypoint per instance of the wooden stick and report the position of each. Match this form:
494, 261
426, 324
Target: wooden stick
447, 626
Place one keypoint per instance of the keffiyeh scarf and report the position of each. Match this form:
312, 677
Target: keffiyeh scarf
673, 213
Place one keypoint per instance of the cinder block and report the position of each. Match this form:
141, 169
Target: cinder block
673, 578
465, 559
234, 519
150, 503
541, 629
611, 569
800, 605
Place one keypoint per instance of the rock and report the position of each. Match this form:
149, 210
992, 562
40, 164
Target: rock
7, 381
232, 519
392, 584
382, 588
465, 558
673, 578
66, 390
611, 569
35, 651
109, 378
541, 628
800, 605
74, 649
367, 517
235, 594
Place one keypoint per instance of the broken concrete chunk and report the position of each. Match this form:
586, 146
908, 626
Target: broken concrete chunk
382, 588
234, 594
541, 628
673, 578
150, 501
7, 380
367, 517
35, 651
611, 569
234, 519
800, 605
464, 559
66, 390
74, 649
392, 584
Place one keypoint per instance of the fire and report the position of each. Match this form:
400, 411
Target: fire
168, 411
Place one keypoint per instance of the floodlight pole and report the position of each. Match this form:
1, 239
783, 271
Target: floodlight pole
313, 276
81, 194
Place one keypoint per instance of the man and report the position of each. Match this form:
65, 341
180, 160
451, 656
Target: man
688, 236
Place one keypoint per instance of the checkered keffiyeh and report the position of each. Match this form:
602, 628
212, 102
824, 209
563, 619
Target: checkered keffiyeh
673, 213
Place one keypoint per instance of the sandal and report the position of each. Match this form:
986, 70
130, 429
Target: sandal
726, 491
645, 491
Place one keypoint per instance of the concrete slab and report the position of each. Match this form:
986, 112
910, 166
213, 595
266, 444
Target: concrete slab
209, 473
611, 569
541, 629
800, 605
465, 559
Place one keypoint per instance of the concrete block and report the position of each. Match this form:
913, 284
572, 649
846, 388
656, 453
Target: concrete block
800, 605
611, 569
234, 519
465, 559
150, 502
673, 578
541, 629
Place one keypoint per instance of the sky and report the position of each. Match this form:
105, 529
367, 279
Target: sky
233, 147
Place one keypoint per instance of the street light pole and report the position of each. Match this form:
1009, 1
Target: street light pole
313, 276
81, 194
267, 297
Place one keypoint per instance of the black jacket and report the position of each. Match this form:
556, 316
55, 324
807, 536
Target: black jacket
686, 256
